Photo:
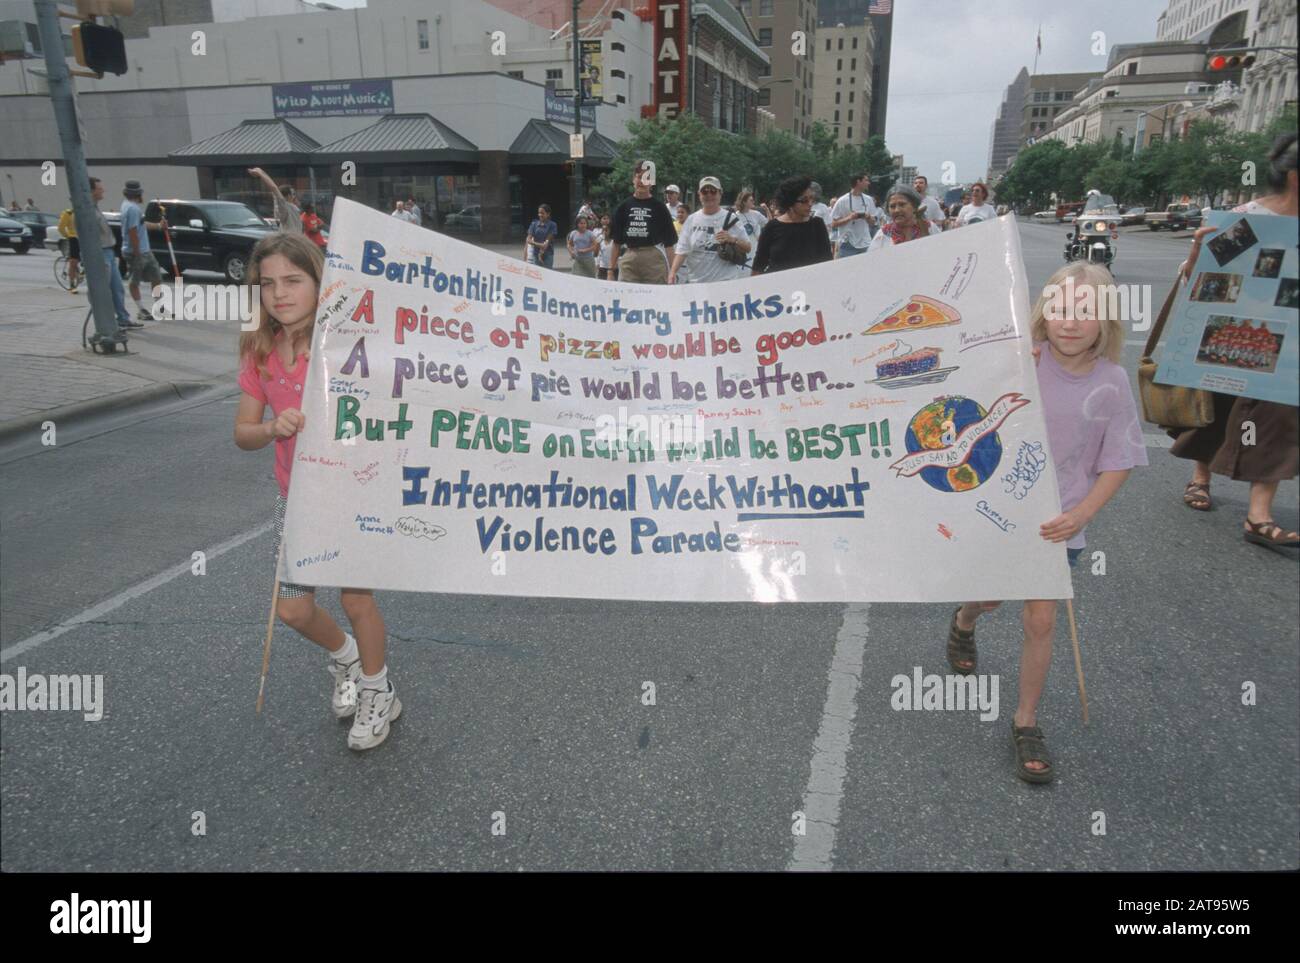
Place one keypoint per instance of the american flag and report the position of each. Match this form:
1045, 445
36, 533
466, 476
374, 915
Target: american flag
880, 8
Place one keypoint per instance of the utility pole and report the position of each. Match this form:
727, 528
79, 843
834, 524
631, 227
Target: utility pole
577, 117
74, 157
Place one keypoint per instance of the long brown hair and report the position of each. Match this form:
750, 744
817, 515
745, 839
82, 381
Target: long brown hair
299, 252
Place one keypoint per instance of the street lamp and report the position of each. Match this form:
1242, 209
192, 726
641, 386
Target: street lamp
1140, 126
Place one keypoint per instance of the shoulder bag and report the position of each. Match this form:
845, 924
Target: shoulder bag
730, 252
1170, 406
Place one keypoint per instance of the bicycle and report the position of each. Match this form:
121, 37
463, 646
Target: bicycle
61, 273
100, 347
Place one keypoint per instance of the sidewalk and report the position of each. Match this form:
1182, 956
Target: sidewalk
48, 376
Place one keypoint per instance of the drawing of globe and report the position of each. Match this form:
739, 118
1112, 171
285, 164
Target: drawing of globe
935, 426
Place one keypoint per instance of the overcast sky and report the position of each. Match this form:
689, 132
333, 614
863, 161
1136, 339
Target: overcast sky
952, 61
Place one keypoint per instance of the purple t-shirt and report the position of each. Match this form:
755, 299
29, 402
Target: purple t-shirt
1092, 426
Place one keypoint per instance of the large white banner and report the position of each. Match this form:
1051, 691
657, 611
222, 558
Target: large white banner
862, 430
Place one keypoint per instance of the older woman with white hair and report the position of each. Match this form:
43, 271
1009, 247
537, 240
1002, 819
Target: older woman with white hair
904, 219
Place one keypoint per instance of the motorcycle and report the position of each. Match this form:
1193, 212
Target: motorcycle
1093, 239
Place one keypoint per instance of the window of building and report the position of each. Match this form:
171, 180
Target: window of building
1040, 96
849, 135
796, 98
828, 44
615, 45
1112, 92
1132, 69
798, 72
422, 31
517, 74
855, 43
837, 96
837, 81
617, 73
853, 81
620, 98
765, 37
854, 64
765, 97
850, 115
837, 117
765, 8
839, 64
555, 73
841, 46
851, 93
765, 70
747, 7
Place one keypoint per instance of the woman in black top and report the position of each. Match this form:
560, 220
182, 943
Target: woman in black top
795, 238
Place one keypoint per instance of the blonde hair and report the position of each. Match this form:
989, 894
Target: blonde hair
299, 252
1110, 336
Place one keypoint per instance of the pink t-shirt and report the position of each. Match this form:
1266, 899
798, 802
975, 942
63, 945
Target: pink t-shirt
281, 392
1092, 426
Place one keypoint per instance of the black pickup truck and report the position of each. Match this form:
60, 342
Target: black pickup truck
206, 236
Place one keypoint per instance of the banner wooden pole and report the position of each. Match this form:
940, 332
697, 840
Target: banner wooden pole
270, 627
1078, 661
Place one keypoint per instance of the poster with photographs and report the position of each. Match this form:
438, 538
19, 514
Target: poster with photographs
1233, 327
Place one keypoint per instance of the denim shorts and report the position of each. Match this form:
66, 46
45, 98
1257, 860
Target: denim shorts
1072, 556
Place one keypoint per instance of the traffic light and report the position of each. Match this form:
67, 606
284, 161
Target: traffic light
101, 49
1223, 63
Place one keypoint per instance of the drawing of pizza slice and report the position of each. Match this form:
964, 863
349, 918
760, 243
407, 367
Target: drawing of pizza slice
919, 312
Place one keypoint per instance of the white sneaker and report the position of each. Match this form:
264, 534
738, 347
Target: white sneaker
376, 710
344, 701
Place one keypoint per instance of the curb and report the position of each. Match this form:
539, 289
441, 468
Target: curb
117, 403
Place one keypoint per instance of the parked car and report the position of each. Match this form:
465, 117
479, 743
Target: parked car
15, 235
1134, 215
1175, 217
1066, 212
470, 218
36, 220
1045, 215
206, 236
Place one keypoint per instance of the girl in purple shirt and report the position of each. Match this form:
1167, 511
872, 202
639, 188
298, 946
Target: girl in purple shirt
288, 268
1095, 439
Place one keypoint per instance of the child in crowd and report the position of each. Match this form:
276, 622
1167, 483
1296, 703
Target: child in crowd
288, 268
1095, 439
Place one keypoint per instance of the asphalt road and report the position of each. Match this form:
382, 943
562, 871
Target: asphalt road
532, 708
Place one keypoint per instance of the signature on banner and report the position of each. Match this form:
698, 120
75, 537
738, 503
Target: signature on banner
1030, 462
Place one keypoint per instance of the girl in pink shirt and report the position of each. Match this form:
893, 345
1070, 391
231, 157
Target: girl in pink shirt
288, 268
1095, 438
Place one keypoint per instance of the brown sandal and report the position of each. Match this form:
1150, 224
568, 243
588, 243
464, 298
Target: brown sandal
1271, 535
1197, 495
1031, 747
961, 647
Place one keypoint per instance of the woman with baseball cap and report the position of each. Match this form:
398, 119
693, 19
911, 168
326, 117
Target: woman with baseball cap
713, 241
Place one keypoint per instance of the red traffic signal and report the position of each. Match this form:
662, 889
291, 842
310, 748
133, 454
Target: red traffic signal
1219, 62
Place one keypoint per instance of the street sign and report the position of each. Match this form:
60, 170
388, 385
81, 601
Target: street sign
576, 146
566, 92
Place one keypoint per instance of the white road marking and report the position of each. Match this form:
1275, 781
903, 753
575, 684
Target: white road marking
121, 598
821, 800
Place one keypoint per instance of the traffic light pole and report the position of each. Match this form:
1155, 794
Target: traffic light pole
74, 157
577, 117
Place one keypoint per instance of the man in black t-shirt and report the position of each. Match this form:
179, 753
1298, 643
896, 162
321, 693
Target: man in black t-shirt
640, 224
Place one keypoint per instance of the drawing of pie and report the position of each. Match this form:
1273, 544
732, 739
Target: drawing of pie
919, 312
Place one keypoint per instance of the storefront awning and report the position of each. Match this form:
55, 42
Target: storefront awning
541, 142
254, 142
402, 139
